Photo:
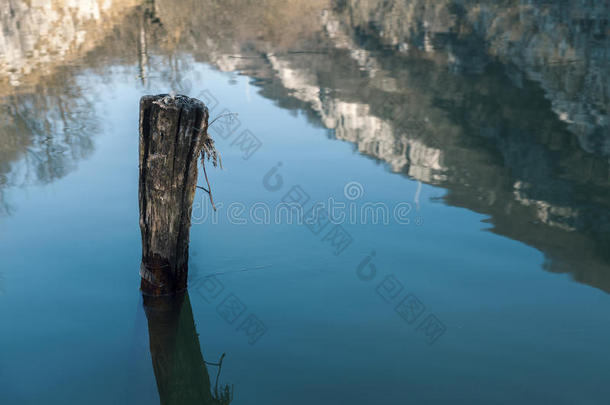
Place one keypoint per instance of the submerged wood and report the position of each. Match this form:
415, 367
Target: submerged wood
173, 130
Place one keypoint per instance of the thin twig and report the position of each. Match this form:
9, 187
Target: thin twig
220, 116
218, 374
219, 365
209, 190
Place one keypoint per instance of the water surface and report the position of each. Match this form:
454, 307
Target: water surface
487, 122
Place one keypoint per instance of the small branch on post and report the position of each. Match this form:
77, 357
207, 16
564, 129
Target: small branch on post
173, 131
209, 189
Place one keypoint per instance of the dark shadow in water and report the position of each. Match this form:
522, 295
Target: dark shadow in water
181, 372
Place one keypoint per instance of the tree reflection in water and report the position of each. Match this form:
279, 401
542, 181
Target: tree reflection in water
45, 131
503, 105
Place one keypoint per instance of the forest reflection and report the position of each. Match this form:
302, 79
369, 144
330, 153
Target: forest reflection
514, 126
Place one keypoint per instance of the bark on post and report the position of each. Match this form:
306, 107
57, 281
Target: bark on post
170, 144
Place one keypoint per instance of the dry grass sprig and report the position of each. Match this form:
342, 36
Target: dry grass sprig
209, 152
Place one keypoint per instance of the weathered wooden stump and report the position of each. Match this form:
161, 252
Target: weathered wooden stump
171, 140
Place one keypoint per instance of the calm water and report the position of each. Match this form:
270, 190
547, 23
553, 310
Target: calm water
482, 130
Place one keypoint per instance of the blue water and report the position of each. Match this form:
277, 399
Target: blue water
75, 328
517, 293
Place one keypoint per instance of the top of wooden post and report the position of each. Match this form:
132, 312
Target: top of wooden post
173, 101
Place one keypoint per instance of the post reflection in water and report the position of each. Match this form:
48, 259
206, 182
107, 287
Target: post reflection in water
181, 372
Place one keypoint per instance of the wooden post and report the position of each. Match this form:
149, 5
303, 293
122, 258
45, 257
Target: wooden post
170, 145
